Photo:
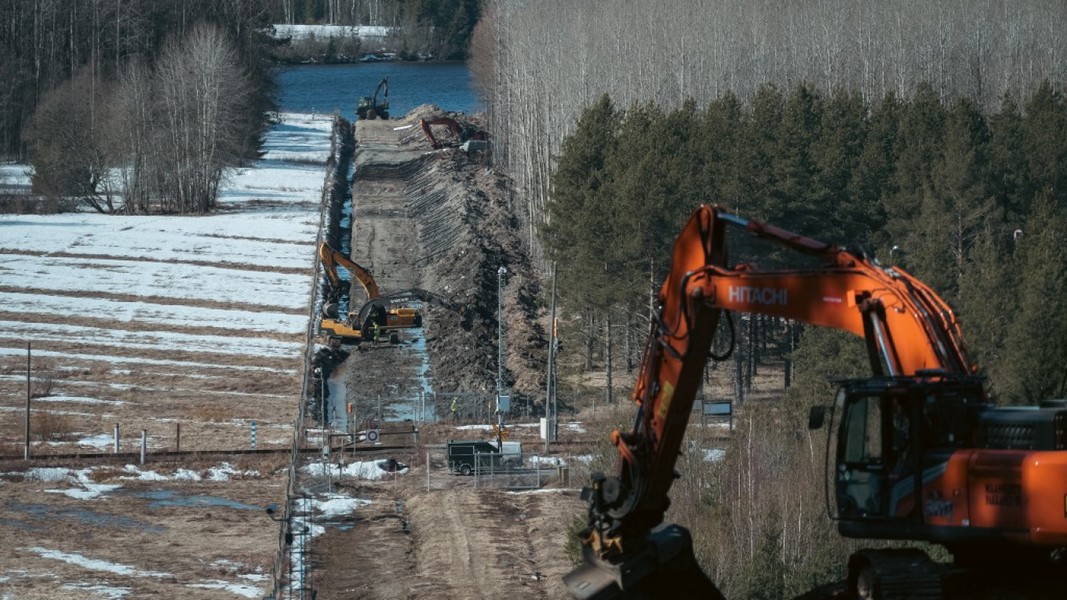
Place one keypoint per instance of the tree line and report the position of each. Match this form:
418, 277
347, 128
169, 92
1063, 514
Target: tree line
441, 28
133, 106
540, 64
142, 106
973, 205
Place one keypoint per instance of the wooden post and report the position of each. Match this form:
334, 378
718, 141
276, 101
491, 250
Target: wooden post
144, 444
116, 438
177, 437
29, 392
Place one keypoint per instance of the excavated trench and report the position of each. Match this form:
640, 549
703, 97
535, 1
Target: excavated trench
436, 220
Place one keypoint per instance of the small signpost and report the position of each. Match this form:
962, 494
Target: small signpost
717, 409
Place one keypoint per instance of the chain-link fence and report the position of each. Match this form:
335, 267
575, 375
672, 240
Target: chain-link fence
487, 470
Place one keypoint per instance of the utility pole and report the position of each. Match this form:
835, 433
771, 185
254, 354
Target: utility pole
500, 352
29, 392
551, 416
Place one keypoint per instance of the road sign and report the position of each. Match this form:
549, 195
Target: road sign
373, 435
718, 408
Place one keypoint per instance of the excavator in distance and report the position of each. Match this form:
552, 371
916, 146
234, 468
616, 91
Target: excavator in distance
385, 314
922, 454
460, 133
368, 106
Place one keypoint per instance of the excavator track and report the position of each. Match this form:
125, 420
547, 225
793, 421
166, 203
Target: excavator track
894, 575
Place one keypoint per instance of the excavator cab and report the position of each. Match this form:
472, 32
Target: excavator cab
894, 438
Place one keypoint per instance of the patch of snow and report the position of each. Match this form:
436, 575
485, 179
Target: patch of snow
138, 360
187, 475
139, 475
225, 471
246, 591
365, 470
91, 490
94, 564
47, 474
155, 340
87, 489
172, 315
337, 505
76, 399
714, 454
544, 461
100, 442
16, 178
106, 591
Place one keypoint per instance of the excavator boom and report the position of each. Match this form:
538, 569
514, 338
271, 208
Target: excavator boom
331, 258
908, 328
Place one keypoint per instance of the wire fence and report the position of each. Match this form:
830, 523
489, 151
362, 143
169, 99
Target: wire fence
334, 191
491, 473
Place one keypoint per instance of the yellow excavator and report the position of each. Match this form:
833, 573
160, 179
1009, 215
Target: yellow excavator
381, 317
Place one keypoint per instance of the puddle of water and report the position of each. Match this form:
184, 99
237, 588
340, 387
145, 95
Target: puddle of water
168, 498
19, 525
88, 517
417, 407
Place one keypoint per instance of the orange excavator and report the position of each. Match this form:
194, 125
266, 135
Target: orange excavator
921, 453
460, 134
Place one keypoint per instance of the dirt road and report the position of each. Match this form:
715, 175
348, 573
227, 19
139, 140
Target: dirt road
461, 543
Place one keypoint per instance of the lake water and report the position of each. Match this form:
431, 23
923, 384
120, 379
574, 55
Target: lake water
330, 88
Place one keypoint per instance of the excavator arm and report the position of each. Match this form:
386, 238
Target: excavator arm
427, 130
907, 326
385, 98
331, 258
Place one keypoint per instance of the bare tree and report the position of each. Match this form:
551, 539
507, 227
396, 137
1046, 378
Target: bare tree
201, 90
541, 63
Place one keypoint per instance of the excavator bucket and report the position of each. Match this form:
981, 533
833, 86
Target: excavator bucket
665, 567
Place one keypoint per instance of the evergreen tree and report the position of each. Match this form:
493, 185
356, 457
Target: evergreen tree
1009, 172
872, 179
1035, 365
716, 142
921, 137
757, 151
639, 194
956, 202
836, 152
574, 235
984, 307
794, 201
1045, 124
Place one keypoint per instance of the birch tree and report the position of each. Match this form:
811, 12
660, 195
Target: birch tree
201, 91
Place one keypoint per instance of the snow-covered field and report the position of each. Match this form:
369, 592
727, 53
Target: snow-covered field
191, 329
100, 298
